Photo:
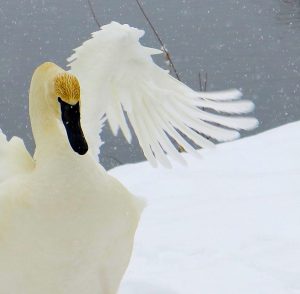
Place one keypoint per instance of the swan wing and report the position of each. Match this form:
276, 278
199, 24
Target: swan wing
14, 157
121, 83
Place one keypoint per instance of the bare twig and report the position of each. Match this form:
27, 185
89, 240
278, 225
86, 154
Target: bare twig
93, 13
200, 81
202, 85
205, 82
163, 47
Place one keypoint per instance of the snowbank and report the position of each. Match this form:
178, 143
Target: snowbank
228, 223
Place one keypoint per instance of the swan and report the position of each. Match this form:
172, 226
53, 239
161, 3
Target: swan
66, 225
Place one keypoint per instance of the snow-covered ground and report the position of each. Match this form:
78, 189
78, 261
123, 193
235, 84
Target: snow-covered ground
228, 223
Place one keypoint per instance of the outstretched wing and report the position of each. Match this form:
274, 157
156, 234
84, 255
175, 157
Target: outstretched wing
14, 158
118, 76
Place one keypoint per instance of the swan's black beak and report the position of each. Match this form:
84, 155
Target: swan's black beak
70, 115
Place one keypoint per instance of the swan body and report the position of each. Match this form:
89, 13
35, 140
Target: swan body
66, 226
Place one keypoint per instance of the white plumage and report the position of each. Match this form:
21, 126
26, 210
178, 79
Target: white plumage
66, 226
117, 75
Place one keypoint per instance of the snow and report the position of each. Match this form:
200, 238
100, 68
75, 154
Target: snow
227, 223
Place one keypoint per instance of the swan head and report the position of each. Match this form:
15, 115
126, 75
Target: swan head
66, 86
61, 90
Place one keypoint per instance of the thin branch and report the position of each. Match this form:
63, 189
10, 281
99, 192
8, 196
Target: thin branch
163, 47
202, 85
200, 81
93, 13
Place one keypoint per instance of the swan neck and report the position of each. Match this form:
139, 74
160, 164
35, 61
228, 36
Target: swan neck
47, 133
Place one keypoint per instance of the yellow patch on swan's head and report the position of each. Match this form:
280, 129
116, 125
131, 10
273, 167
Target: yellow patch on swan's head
66, 86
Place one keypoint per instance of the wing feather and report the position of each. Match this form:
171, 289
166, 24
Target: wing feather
14, 158
238, 107
118, 76
136, 124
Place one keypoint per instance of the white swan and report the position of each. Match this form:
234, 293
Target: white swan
66, 226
